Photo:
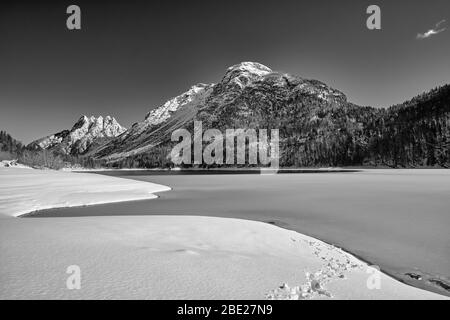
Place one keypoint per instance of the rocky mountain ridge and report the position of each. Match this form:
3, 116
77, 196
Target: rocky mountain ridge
318, 126
183, 109
85, 133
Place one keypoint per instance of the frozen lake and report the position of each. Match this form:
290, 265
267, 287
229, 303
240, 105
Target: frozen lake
396, 219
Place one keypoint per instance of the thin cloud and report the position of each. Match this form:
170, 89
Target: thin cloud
436, 30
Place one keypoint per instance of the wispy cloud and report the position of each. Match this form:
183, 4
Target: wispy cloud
437, 29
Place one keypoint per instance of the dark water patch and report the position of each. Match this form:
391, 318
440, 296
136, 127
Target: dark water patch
441, 284
414, 276
425, 281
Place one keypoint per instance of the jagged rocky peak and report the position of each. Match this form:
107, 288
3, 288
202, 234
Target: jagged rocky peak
244, 89
86, 132
89, 129
108, 126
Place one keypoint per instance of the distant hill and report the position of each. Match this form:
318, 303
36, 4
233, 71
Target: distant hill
414, 133
318, 126
9, 147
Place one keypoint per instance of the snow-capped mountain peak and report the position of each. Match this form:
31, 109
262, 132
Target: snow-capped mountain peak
241, 82
244, 73
86, 132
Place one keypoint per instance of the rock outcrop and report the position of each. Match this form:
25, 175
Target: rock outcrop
86, 134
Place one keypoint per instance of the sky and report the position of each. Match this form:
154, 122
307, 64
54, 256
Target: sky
131, 56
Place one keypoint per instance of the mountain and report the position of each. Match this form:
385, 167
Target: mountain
86, 135
318, 126
158, 124
223, 101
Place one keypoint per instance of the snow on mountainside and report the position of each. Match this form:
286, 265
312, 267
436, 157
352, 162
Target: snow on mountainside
84, 135
253, 74
317, 125
180, 111
244, 73
158, 124
161, 114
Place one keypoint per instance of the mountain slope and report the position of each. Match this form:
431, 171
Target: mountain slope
414, 133
87, 134
158, 124
220, 100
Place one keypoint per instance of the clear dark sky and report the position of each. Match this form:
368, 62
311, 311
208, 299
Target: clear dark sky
132, 56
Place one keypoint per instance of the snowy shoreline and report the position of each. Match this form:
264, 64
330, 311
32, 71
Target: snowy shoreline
163, 257
49, 189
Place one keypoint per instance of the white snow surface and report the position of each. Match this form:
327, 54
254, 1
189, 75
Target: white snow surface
23, 191
197, 94
245, 73
84, 133
162, 257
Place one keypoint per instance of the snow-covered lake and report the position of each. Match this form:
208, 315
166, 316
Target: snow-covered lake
396, 219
